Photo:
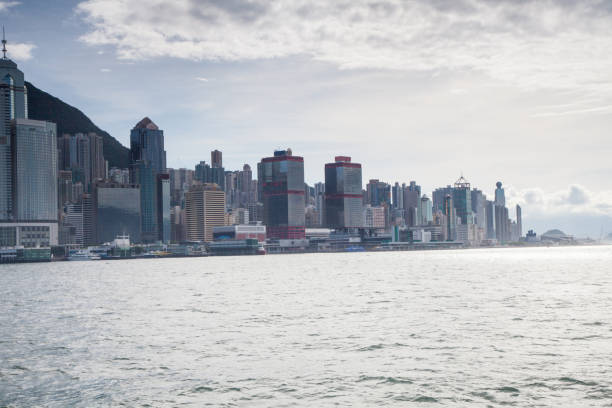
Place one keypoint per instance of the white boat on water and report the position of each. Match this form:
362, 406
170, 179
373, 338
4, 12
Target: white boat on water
82, 255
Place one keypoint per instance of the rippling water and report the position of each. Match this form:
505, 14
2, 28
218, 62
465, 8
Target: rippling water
473, 328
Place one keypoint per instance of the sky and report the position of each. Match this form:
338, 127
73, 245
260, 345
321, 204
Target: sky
425, 90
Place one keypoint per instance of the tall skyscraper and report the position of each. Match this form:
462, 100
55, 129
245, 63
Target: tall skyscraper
204, 210
343, 199
282, 178
425, 211
147, 162
34, 170
163, 207
142, 174
462, 199
216, 159
28, 167
451, 218
13, 105
519, 221
500, 195
147, 144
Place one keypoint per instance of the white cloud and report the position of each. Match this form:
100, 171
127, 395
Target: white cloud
575, 210
535, 44
5, 5
105, 70
20, 52
575, 199
202, 79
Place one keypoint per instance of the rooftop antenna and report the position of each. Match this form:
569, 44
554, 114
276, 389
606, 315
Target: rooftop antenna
3, 43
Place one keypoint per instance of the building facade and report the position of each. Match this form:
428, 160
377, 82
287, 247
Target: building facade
204, 210
282, 178
117, 211
343, 196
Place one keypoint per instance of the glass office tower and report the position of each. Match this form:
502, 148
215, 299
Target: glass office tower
35, 170
117, 211
343, 195
282, 178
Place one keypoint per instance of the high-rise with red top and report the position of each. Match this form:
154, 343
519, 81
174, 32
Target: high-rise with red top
343, 195
282, 182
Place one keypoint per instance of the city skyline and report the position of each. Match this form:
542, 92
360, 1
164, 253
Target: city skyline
429, 123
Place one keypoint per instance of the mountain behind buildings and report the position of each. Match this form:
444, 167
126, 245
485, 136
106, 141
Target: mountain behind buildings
43, 106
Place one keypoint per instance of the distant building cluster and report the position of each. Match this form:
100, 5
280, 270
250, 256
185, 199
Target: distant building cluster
58, 190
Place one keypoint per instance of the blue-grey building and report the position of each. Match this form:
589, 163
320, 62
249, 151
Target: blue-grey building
34, 170
117, 211
209, 174
13, 105
147, 164
147, 144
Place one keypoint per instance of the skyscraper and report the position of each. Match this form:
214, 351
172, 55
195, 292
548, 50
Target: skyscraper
462, 199
204, 210
519, 221
142, 174
147, 144
451, 218
282, 178
343, 198
216, 159
500, 195
34, 170
147, 162
13, 105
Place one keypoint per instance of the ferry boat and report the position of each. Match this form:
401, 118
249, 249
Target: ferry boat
82, 255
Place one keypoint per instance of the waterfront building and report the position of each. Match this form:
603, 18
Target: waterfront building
13, 105
147, 164
204, 210
29, 234
34, 163
143, 174
117, 210
282, 179
343, 199
240, 232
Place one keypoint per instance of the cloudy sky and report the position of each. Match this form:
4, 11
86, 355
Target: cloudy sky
517, 91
